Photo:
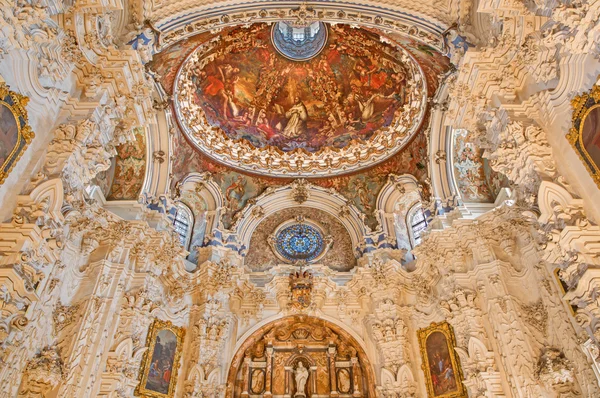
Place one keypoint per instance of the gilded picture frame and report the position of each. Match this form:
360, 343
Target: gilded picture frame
441, 365
160, 364
15, 132
584, 135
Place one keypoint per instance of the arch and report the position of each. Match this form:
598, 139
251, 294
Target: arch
52, 194
284, 328
549, 196
300, 193
398, 188
203, 185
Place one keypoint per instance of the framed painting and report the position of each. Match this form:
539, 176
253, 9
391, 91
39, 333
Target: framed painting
443, 375
584, 135
15, 133
158, 373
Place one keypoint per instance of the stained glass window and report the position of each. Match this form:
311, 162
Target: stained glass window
299, 242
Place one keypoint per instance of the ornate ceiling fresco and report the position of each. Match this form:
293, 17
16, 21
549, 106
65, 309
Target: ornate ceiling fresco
360, 188
356, 103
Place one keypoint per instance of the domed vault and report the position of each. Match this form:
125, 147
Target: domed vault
356, 102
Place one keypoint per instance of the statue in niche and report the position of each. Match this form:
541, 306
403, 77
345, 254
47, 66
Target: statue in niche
301, 376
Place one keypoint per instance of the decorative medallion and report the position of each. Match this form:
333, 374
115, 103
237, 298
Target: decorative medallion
355, 101
584, 136
299, 241
15, 133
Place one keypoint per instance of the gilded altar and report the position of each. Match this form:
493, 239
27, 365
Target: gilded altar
297, 357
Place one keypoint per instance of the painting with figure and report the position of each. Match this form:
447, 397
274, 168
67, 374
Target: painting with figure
440, 363
590, 136
9, 133
15, 132
442, 372
584, 134
161, 364
129, 168
348, 92
161, 360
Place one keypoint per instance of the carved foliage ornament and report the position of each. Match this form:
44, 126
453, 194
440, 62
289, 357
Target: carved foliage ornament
584, 135
158, 375
15, 133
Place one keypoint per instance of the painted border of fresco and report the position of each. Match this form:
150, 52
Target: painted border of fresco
582, 106
16, 105
446, 329
157, 326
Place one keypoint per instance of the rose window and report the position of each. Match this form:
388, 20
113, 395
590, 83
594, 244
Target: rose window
299, 242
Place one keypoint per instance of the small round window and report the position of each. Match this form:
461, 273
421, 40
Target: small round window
299, 242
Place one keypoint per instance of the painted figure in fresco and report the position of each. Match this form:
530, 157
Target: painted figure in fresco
590, 135
301, 377
297, 117
254, 95
235, 192
364, 193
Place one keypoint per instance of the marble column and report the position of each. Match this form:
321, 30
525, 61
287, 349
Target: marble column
356, 381
288, 372
331, 353
313, 376
269, 372
246, 377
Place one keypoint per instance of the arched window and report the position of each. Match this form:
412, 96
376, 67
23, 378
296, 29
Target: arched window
183, 224
417, 224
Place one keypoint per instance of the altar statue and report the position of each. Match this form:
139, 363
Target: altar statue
301, 376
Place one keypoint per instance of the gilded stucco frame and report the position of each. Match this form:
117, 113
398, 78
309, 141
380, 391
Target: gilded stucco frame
157, 326
446, 329
16, 103
582, 106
